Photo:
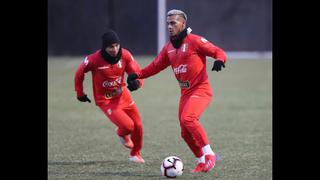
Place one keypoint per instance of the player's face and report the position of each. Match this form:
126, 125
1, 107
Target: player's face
113, 49
176, 24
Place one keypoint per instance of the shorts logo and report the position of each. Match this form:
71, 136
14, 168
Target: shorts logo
182, 68
112, 83
109, 111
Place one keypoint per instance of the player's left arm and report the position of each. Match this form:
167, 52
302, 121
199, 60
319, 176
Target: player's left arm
208, 49
133, 67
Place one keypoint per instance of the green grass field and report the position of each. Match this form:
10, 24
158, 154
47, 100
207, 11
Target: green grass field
82, 143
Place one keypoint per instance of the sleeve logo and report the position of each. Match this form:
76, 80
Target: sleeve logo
204, 40
86, 61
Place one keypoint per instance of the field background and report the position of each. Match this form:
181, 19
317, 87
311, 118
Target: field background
82, 143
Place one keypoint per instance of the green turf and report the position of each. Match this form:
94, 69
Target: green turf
82, 143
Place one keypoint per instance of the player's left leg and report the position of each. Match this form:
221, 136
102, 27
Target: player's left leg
123, 122
136, 134
192, 110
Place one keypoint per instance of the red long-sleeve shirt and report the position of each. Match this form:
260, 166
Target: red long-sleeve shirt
188, 62
105, 76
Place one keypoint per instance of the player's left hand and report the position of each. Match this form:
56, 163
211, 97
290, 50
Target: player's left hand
217, 65
133, 85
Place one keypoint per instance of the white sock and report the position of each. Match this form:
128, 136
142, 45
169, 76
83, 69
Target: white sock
201, 159
207, 149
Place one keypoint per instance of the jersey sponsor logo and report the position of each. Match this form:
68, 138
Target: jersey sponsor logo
86, 61
184, 84
182, 68
112, 83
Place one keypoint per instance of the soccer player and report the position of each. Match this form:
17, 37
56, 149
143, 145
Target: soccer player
108, 66
186, 53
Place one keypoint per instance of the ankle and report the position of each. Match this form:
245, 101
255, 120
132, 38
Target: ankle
201, 159
207, 150
134, 153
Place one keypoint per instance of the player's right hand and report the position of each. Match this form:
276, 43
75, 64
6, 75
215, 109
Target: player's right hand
132, 77
84, 98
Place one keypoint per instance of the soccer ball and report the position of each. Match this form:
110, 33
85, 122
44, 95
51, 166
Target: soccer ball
171, 167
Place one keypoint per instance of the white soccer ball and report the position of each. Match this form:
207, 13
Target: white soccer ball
171, 167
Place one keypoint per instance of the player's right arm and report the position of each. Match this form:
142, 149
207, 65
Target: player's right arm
83, 68
158, 64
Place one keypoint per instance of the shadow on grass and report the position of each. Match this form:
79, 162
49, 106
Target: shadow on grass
82, 163
71, 172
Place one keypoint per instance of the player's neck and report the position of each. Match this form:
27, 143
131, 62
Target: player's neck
176, 40
111, 59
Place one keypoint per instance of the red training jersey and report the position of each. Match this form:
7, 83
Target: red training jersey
106, 77
188, 62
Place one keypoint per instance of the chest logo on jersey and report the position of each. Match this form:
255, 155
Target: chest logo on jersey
112, 83
119, 64
182, 68
184, 47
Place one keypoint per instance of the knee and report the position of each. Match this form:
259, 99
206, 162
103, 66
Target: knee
129, 127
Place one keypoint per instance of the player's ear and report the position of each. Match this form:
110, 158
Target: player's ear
184, 23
